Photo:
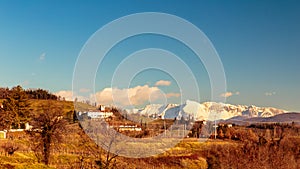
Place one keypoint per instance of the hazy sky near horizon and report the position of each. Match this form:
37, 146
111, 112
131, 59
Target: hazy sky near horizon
258, 43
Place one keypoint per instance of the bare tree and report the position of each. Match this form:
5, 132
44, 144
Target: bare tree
110, 158
104, 150
48, 125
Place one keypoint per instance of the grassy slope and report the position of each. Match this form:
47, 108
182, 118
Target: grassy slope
23, 160
67, 105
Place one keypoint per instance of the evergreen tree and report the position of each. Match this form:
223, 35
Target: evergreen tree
16, 106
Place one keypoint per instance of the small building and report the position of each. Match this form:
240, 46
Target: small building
23, 127
129, 128
99, 115
3, 134
102, 108
229, 125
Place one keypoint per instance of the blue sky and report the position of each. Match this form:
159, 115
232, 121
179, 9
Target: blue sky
257, 41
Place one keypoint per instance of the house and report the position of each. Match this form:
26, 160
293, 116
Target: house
102, 108
229, 125
97, 114
129, 128
24, 127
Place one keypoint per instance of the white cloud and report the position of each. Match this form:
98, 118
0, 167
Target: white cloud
135, 96
163, 83
229, 94
169, 95
25, 83
84, 90
42, 56
270, 93
67, 94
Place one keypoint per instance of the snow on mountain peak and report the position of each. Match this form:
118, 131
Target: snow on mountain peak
206, 111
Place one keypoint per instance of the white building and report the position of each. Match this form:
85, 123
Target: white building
102, 108
129, 128
27, 126
99, 115
2, 134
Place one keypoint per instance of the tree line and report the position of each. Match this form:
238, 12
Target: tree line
30, 93
47, 120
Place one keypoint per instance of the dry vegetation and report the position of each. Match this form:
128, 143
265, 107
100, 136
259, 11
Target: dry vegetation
254, 147
263, 145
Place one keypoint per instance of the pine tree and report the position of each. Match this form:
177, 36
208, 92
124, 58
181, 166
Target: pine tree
16, 106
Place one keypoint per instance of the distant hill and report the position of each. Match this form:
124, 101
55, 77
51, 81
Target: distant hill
280, 118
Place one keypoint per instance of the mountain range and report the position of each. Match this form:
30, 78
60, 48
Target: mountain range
206, 111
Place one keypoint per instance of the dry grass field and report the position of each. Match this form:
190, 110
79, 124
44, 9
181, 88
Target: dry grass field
257, 146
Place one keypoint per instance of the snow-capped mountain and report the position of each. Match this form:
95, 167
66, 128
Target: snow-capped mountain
206, 111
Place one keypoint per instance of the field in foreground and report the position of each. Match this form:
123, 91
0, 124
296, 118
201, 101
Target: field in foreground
247, 148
